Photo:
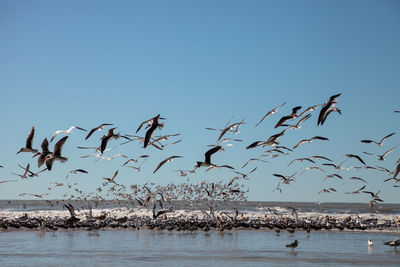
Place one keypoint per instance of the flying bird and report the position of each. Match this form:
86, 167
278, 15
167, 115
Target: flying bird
69, 131
28, 143
382, 157
288, 117
98, 128
45, 152
310, 140
327, 108
111, 180
378, 143
56, 155
273, 111
356, 157
169, 159
154, 125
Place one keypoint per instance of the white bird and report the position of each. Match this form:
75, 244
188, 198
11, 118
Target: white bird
69, 131
370, 243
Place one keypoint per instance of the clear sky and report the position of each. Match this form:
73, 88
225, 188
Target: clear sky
198, 64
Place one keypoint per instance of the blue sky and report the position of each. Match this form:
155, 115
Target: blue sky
198, 63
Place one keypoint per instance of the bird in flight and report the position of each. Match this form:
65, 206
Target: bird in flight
367, 141
69, 131
273, 111
169, 159
98, 128
28, 143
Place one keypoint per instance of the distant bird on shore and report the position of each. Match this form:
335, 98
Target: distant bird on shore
98, 128
273, 111
327, 108
378, 143
370, 243
28, 143
69, 131
293, 244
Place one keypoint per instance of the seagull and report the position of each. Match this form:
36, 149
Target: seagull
272, 140
327, 190
56, 155
378, 143
106, 138
312, 168
111, 180
253, 159
382, 157
244, 175
312, 108
273, 111
28, 144
358, 178
374, 195
150, 122
321, 157
327, 108
285, 179
293, 244
370, 243
207, 160
334, 175
31, 174
394, 243
45, 152
297, 126
301, 160
230, 128
98, 128
75, 172
169, 159
356, 157
357, 191
24, 175
338, 167
69, 131
150, 131
288, 117
309, 140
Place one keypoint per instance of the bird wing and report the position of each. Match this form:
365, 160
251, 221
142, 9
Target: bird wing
29, 139
210, 152
79, 128
45, 145
282, 120
387, 136
92, 131
59, 145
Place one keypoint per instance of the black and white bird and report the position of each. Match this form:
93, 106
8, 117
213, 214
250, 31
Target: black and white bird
56, 155
69, 131
169, 159
98, 128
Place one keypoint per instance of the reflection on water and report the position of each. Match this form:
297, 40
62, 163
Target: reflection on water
154, 248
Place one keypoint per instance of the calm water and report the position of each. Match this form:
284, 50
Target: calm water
162, 248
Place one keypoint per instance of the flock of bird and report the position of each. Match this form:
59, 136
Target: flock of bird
226, 189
